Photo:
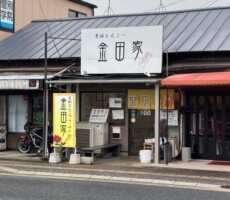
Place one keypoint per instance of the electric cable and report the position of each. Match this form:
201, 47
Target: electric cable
48, 26
208, 4
174, 3
165, 6
109, 10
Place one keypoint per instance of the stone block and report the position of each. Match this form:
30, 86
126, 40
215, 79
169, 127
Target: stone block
186, 154
54, 158
75, 159
87, 160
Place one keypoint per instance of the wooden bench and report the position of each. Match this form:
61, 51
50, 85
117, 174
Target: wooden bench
114, 148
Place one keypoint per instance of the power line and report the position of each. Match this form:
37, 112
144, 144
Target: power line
174, 3
48, 26
161, 7
210, 3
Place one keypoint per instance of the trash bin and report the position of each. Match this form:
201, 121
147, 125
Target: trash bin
166, 152
145, 156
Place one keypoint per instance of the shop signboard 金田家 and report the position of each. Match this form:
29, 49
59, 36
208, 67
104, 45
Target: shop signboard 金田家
122, 50
64, 119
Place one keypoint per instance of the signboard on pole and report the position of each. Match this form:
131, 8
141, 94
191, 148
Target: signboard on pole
122, 50
64, 120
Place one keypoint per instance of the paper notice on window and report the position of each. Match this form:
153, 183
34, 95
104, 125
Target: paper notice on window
172, 116
115, 102
99, 115
118, 114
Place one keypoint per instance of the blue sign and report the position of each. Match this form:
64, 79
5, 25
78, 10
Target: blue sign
7, 14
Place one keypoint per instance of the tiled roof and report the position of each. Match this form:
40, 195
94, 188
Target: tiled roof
184, 31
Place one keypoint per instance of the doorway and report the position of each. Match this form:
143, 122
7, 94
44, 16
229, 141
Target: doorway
141, 127
208, 126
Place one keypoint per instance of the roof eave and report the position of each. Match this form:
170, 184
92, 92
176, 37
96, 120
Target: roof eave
85, 3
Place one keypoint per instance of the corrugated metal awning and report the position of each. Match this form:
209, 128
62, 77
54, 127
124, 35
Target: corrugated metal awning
198, 79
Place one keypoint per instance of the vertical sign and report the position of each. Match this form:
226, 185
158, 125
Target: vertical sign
64, 122
122, 50
7, 14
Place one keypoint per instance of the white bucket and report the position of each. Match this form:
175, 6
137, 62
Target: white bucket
145, 156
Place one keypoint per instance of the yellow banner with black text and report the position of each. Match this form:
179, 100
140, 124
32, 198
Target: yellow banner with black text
64, 120
145, 99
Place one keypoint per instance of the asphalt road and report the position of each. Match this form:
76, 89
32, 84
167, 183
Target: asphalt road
24, 187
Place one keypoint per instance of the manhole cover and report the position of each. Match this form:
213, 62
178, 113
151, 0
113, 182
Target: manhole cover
225, 186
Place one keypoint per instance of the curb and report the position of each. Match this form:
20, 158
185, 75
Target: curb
155, 182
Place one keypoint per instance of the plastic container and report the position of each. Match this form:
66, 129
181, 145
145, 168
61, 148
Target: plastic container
145, 156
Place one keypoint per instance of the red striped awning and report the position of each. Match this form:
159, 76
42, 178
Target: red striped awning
198, 79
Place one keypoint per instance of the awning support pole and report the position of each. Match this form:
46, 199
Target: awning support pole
157, 122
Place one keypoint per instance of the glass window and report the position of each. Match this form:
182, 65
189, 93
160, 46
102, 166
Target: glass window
17, 112
107, 100
38, 109
219, 126
227, 126
75, 14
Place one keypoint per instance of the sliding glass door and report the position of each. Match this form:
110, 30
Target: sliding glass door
208, 126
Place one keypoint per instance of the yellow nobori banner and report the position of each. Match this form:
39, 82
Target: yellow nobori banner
64, 119
145, 99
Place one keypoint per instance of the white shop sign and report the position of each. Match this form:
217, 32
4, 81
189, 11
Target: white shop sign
99, 115
122, 50
31, 84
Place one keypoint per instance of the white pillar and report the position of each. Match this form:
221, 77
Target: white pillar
157, 122
78, 102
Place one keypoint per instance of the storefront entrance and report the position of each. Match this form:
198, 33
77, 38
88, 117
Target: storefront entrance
141, 128
208, 125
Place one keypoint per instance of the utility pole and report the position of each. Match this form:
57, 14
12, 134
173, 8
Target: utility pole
45, 107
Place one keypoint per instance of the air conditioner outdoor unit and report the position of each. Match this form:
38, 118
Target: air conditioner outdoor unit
98, 134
